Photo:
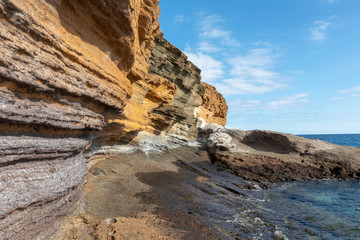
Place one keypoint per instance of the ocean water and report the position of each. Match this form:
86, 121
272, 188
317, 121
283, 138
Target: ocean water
351, 140
326, 209
323, 209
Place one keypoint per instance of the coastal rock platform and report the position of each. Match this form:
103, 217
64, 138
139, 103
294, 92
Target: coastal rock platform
169, 195
266, 156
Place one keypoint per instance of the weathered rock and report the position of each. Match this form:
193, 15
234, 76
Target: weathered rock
169, 62
214, 108
42, 48
266, 156
76, 76
41, 180
159, 195
27, 108
64, 66
166, 102
220, 140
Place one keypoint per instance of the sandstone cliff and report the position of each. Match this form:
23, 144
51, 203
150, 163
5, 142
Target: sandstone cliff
77, 75
213, 108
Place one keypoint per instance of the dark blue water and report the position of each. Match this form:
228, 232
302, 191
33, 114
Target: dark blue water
324, 209
351, 140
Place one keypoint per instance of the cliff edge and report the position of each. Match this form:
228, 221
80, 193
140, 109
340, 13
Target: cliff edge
78, 77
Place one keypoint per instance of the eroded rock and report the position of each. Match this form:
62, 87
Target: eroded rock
79, 77
214, 108
64, 65
266, 156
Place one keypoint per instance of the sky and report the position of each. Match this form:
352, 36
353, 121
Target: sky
283, 65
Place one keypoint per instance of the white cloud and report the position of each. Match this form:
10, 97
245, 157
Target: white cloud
251, 73
336, 98
258, 58
290, 102
350, 90
208, 47
211, 69
179, 18
318, 31
208, 22
240, 105
347, 93
237, 86
210, 29
216, 33
217, 55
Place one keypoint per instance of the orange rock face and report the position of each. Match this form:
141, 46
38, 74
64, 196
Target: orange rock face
67, 70
76, 75
214, 108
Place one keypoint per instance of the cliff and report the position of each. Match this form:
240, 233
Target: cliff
213, 108
81, 81
75, 77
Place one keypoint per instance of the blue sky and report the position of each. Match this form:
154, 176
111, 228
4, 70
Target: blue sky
282, 65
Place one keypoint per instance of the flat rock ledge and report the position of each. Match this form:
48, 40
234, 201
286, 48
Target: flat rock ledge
266, 156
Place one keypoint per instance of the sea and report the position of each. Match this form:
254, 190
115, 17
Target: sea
351, 140
322, 209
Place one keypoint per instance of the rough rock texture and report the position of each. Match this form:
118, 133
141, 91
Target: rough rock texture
75, 77
164, 103
266, 156
66, 72
159, 195
170, 63
167, 102
214, 108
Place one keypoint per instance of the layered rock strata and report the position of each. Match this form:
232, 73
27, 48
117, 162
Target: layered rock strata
213, 108
64, 65
41, 180
165, 103
76, 76
170, 63
265, 156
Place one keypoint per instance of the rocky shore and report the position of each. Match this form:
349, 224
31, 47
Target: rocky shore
93, 98
266, 156
203, 191
141, 196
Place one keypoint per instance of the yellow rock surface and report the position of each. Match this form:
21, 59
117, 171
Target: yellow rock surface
214, 108
77, 76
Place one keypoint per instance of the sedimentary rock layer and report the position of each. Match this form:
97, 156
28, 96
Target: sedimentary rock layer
170, 63
213, 108
64, 65
76, 75
41, 179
